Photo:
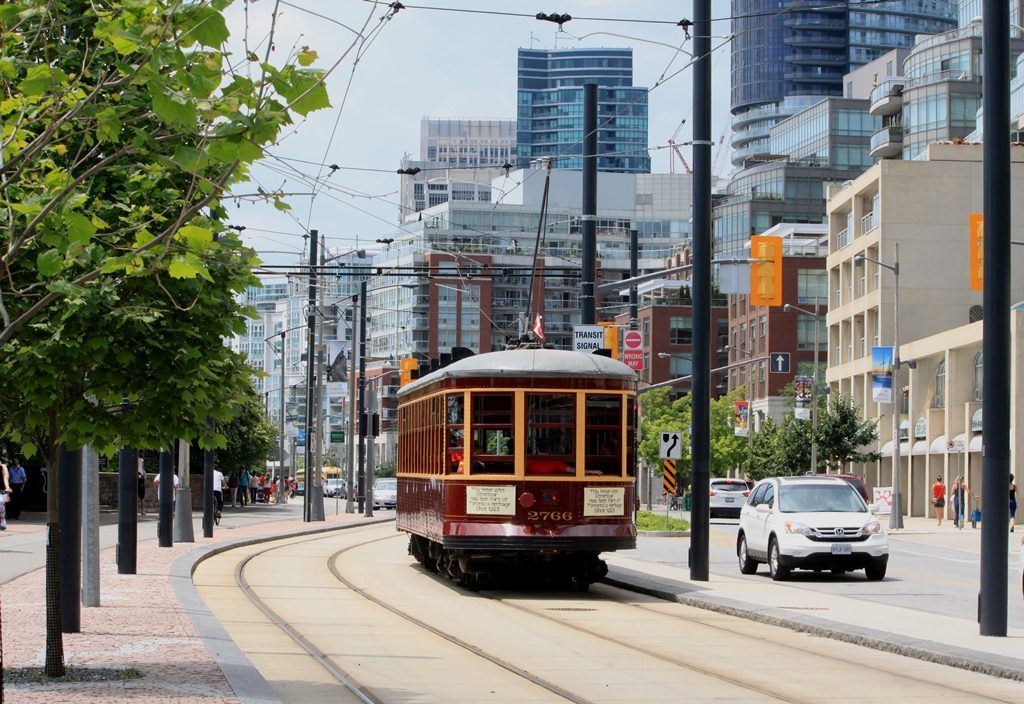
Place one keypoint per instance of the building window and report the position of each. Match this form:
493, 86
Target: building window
680, 330
805, 332
764, 326
979, 373
939, 399
811, 286
679, 366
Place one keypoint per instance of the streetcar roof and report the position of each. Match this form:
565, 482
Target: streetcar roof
528, 362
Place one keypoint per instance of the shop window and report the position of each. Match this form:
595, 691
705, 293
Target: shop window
550, 434
493, 442
939, 399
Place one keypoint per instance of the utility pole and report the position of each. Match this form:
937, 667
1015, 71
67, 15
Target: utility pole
316, 498
896, 513
588, 301
208, 466
634, 271
127, 510
183, 532
307, 480
372, 423
350, 436
69, 489
90, 528
166, 496
282, 493
362, 394
995, 462
701, 382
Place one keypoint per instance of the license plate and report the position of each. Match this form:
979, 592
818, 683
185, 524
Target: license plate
729, 499
842, 549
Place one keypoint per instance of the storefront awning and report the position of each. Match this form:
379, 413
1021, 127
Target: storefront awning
920, 448
887, 449
976, 444
938, 445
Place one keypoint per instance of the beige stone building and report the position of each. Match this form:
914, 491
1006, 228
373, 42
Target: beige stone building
922, 206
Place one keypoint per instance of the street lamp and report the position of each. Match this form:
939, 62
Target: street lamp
896, 516
814, 385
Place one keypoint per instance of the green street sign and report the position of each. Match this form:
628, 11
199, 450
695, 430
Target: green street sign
337, 436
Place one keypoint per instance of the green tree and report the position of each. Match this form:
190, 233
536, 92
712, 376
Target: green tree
842, 432
765, 459
124, 123
728, 450
249, 437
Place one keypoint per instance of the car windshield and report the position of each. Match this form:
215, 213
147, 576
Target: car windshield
820, 498
387, 483
729, 486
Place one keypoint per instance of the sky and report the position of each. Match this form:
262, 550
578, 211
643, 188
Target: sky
428, 63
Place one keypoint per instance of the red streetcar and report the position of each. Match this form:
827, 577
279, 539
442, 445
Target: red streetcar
524, 459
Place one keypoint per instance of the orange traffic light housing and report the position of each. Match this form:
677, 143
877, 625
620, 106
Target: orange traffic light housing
766, 270
611, 339
405, 368
977, 236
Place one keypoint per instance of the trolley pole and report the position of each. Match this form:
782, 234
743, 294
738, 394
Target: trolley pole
361, 411
701, 383
588, 301
995, 462
310, 361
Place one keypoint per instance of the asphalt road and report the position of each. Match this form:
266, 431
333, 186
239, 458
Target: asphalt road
932, 572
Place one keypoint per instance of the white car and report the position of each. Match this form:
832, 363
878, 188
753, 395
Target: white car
385, 493
816, 523
726, 497
334, 487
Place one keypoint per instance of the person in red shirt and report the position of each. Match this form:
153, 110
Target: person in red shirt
939, 498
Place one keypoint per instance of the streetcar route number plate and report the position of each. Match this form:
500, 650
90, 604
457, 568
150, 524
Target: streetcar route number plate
604, 501
490, 500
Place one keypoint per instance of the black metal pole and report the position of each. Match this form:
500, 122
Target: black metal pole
701, 383
634, 271
127, 510
995, 462
361, 409
588, 303
69, 488
310, 362
164, 534
208, 461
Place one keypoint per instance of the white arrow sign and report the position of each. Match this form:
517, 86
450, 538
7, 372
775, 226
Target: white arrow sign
671, 445
780, 362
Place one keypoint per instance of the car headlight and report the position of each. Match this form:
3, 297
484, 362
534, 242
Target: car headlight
872, 527
800, 528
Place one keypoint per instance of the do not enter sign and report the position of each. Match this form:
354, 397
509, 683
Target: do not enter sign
633, 350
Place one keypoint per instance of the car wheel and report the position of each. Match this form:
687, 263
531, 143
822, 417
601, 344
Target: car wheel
747, 564
876, 572
778, 572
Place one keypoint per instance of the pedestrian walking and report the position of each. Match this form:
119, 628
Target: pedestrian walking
959, 493
218, 494
267, 488
174, 490
17, 478
254, 486
1013, 503
273, 490
243, 488
939, 498
5, 495
233, 488
141, 479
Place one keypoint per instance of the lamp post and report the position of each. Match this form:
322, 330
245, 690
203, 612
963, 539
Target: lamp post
816, 316
896, 516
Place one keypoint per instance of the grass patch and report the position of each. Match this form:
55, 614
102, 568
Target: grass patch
646, 520
36, 675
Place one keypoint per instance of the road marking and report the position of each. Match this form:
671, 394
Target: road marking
1010, 557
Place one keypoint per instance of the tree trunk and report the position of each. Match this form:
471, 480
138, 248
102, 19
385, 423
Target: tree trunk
54, 636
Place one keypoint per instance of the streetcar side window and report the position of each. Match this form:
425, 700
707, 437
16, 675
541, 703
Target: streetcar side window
631, 437
493, 450
550, 433
455, 432
604, 435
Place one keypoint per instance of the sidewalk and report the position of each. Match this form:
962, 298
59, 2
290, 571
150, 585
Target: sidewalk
141, 625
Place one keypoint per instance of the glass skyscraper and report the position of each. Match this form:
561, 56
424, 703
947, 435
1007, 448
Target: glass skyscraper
780, 58
550, 109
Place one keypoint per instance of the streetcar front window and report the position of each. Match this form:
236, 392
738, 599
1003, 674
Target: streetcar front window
604, 435
493, 450
550, 433
455, 431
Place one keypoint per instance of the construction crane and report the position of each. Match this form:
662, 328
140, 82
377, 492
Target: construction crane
676, 152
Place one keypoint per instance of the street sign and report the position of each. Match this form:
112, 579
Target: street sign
671, 445
668, 478
337, 436
633, 350
779, 363
300, 437
587, 338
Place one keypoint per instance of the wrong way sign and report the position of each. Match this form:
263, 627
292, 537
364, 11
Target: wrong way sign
633, 350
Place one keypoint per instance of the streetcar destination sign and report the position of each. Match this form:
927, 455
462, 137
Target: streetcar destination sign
587, 338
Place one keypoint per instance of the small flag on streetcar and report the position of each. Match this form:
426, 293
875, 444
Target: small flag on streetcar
538, 326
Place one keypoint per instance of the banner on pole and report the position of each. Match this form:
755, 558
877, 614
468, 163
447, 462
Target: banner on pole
741, 418
882, 374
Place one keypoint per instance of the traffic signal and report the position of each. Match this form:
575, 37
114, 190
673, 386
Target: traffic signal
766, 270
611, 338
405, 369
977, 235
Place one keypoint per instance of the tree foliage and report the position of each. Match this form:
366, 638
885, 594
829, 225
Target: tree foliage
250, 437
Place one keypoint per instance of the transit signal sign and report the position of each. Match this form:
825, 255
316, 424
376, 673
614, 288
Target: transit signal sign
780, 363
668, 478
671, 445
587, 338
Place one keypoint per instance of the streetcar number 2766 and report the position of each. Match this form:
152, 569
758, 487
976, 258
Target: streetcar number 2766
549, 515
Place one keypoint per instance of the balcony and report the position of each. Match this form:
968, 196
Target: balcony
887, 142
813, 76
868, 223
816, 58
826, 40
842, 238
804, 22
887, 97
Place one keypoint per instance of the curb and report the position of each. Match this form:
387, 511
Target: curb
929, 651
663, 533
248, 684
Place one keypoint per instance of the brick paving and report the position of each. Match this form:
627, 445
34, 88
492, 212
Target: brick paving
140, 625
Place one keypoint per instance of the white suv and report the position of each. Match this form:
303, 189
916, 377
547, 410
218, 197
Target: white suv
726, 497
816, 523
